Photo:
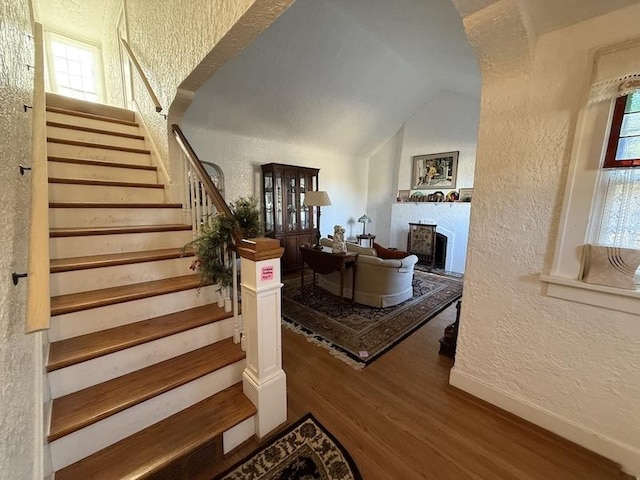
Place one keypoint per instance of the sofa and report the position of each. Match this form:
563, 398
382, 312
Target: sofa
379, 282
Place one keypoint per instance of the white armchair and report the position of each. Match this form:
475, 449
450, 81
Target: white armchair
379, 282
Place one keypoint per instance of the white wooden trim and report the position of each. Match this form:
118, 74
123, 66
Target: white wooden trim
238, 434
263, 380
628, 456
627, 301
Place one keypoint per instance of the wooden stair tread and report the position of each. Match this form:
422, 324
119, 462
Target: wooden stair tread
75, 302
98, 163
153, 448
92, 116
103, 183
86, 231
85, 106
82, 128
86, 347
85, 407
111, 259
112, 205
103, 146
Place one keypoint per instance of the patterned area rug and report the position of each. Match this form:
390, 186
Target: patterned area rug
305, 451
359, 334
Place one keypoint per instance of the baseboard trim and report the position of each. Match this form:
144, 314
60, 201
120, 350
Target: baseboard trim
627, 456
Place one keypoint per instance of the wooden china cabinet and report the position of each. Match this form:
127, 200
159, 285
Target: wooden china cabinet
285, 216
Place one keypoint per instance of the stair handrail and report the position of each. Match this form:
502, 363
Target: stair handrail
208, 185
38, 298
141, 74
201, 207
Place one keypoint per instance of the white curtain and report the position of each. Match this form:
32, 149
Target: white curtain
614, 87
620, 220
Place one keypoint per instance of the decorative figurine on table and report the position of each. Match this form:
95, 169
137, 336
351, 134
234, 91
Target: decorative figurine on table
339, 245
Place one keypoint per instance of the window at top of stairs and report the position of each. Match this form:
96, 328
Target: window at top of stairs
75, 69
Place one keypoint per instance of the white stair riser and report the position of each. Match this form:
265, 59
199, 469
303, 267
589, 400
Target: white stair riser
68, 247
102, 138
86, 374
62, 192
113, 217
74, 324
89, 279
238, 434
84, 442
92, 153
91, 123
97, 172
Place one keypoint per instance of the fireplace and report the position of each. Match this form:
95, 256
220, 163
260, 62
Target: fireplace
451, 219
441, 251
427, 244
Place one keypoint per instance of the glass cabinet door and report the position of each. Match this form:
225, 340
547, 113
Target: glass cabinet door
304, 210
292, 202
268, 202
278, 206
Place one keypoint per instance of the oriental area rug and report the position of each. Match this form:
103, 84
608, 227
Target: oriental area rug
359, 334
305, 450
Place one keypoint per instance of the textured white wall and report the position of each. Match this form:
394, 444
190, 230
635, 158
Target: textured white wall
340, 75
240, 158
174, 43
169, 40
447, 122
383, 178
569, 367
18, 410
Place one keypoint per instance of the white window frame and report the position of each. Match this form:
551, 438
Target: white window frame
581, 199
97, 51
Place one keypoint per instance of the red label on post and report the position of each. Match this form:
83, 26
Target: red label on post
267, 273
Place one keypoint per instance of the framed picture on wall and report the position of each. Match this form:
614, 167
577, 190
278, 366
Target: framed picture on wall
436, 170
403, 195
465, 194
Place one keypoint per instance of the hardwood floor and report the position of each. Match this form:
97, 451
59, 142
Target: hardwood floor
399, 418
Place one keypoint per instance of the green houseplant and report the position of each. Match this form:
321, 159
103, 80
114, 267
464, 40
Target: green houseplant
214, 245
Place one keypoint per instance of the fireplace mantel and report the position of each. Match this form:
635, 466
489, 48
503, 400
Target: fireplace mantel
451, 218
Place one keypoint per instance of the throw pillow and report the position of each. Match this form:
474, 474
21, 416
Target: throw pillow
387, 253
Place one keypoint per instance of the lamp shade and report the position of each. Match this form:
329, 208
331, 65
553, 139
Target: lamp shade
364, 219
316, 199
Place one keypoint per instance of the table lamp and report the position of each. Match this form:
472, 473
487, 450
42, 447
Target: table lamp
317, 199
364, 220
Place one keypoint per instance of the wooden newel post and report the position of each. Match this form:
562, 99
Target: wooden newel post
264, 381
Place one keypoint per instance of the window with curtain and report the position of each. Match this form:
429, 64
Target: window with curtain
601, 206
616, 218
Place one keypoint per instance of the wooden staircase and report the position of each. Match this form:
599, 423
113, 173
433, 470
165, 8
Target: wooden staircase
144, 376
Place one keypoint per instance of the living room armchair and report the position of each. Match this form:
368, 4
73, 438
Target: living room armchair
379, 282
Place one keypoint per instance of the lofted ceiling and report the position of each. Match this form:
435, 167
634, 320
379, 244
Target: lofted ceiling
341, 75
345, 75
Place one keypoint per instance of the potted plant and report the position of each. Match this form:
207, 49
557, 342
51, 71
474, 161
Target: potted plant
214, 245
